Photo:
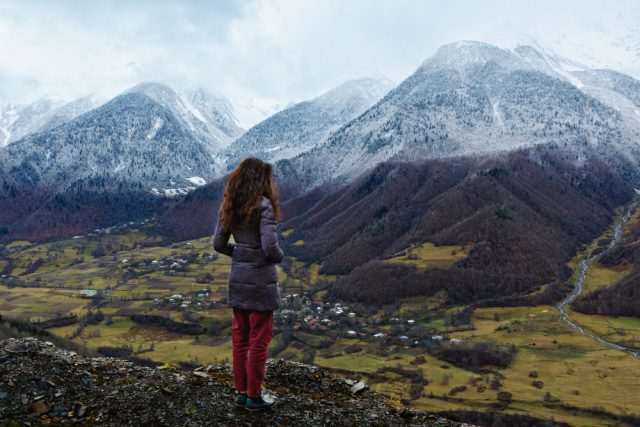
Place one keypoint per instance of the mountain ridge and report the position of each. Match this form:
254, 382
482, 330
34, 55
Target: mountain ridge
488, 101
304, 125
469, 99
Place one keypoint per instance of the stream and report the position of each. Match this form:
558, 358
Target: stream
583, 268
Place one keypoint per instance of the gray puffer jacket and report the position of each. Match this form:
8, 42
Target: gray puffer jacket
253, 281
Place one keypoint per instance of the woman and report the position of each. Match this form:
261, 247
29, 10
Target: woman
249, 211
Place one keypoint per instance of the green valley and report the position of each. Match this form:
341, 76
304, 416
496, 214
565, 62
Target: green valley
417, 351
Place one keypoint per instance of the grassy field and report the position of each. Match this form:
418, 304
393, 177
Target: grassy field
427, 255
600, 276
67, 266
156, 344
37, 304
566, 359
621, 330
574, 369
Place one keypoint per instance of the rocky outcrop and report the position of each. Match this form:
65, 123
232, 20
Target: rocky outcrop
43, 384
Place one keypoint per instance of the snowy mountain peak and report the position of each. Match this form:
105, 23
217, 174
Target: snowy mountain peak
157, 91
525, 54
208, 116
208, 100
213, 109
363, 89
308, 124
17, 121
472, 98
461, 55
587, 44
131, 137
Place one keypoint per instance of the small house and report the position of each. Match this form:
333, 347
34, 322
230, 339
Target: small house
88, 293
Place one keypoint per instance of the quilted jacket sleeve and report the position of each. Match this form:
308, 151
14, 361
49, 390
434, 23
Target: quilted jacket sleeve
268, 233
221, 240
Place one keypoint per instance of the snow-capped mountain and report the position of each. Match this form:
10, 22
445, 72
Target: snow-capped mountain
615, 89
19, 120
215, 111
132, 138
208, 117
70, 111
150, 134
16, 121
307, 124
612, 42
469, 98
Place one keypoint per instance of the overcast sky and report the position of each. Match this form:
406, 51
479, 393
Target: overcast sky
280, 50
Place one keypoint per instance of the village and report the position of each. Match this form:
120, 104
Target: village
179, 279
300, 312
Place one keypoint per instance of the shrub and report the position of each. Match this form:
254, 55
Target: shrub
504, 397
457, 389
117, 352
354, 348
474, 356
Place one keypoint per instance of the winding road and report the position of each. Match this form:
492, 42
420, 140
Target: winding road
583, 268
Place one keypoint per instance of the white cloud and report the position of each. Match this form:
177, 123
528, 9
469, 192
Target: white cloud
279, 50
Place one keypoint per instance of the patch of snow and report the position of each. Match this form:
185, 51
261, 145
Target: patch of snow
173, 192
496, 113
565, 72
197, 180
193, 110
7, 136
119, 167
156, 126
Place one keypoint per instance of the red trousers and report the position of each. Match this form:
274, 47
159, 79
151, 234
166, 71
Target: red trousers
251, 333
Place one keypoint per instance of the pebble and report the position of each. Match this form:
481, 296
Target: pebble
357, 387
40, 407
200, 374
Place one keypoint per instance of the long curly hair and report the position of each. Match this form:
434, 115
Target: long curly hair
245, 185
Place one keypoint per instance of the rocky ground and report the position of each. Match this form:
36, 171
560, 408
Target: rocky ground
42, 384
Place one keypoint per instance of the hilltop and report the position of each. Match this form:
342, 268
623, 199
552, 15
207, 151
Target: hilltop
42, 383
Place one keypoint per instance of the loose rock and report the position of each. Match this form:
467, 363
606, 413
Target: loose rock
111, 392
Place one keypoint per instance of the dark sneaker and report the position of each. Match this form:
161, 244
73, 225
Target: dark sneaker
259, 403
241, 399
